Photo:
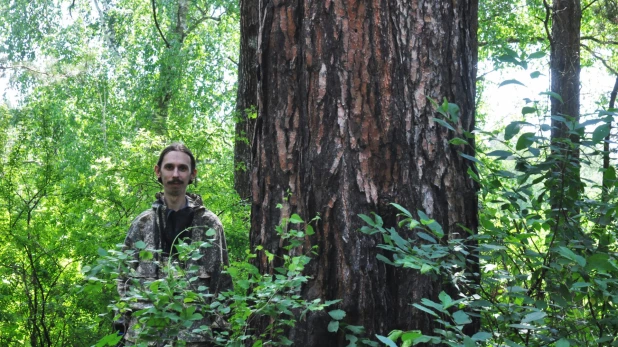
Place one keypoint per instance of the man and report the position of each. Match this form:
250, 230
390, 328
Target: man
174, 216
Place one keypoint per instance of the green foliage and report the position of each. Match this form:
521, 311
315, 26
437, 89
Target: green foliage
535, 274
78, 147
177, 300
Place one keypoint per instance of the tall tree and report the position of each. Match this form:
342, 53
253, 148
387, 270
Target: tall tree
565, 69
246, 99
345, 126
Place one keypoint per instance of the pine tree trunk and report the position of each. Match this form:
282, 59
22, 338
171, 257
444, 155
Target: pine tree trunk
345, 127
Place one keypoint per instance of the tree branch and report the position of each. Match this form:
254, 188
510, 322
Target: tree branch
546, 21
603, 61
590, 4
592, 38
205, 16
154, 14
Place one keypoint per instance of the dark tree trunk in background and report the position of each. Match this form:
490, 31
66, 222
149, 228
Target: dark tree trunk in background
345, 127
606, 150
565, 69
247, 96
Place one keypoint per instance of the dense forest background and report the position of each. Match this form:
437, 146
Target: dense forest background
94, 89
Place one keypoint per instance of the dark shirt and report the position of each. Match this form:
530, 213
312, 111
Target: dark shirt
176, 228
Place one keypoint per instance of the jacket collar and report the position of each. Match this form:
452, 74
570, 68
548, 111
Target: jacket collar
194, 201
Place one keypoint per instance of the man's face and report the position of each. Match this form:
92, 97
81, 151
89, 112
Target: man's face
175, 173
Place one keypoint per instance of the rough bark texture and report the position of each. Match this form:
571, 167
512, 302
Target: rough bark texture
565, 69
246, 97
564, 62
345, 127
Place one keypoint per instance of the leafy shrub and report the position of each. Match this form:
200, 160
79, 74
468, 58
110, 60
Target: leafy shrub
546, 246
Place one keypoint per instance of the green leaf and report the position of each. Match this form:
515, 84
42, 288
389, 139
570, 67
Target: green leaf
109, 340
352, 339
402, 209
355, 329
511, 130
367, 219
333, 326
600, 133
537, 55
411, 335
443, 123
499, 153
140, 245
211, 232
425, 268
513, 81
599, 262
337, 314
446, 299
468, 342
535, 74
394, 334
461, 318
481, 336
386, 341
426, 237
534, 316
456, 141
553, 95
381, 257
527, 110
470, 158
432, 224
295, 219
145, 255
524, 141
563, 343
610, 173
102, 252
567, 253
425, 309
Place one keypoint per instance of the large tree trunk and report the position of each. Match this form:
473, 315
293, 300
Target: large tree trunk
565, 69
246, 100
345, 127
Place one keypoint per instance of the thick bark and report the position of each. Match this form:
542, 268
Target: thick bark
565, 62
246, 99
345, 127
565, 69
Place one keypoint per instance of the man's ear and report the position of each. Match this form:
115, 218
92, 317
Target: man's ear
157, 171
193, 175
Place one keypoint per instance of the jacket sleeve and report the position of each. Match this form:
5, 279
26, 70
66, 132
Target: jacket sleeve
214, 255
133, 268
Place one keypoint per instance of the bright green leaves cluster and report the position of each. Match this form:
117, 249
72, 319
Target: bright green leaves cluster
531, 276
78, 148
179, 300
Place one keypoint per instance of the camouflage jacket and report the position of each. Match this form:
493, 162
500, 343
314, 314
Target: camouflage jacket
207, 266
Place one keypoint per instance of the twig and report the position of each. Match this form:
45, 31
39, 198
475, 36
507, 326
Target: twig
603, 61
154, 14
546, 21
590, 4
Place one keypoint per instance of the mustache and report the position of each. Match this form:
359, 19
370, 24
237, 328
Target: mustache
174, 181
